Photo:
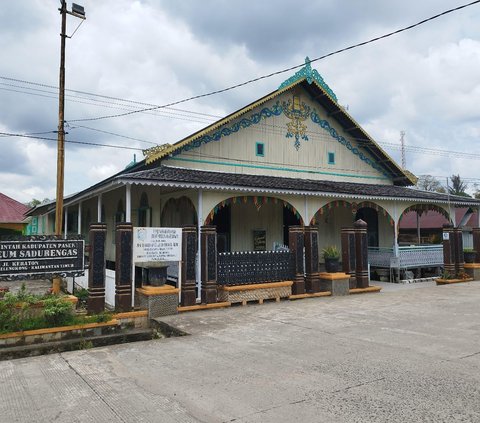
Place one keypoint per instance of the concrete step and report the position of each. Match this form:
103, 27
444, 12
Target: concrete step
131, 335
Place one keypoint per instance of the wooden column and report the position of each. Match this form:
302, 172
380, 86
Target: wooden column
459, 258
476, 243
208, 246
296, 242
312, 278
188, 295
448, 250
348, 254
361, 253
123, 267
96, 268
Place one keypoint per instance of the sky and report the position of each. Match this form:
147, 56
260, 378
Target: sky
129, 54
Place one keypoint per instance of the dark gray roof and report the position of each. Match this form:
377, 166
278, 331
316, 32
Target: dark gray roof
192, 176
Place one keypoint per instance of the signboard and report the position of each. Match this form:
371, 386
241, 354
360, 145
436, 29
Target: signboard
446, 236
157, 244
259, 240
41, 257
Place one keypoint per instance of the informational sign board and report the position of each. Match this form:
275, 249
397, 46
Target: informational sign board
259, 240
41, 257
157, 244
446, 236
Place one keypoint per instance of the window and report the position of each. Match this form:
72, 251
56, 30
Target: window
331, 158
260, 149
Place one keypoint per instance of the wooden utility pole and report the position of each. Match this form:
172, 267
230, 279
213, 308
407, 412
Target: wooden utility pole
61, 138
80, 13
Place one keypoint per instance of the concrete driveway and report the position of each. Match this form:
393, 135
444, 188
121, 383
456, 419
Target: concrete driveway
404, 355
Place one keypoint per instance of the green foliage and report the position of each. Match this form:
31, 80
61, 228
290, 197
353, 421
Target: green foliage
331, 252
26, 311
102, 317
82, 295
57, 311
458, 186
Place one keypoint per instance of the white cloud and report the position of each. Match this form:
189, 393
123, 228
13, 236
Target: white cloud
422, 81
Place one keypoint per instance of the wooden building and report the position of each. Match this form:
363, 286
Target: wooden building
292, 157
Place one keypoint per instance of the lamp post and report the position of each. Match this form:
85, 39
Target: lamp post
79, 12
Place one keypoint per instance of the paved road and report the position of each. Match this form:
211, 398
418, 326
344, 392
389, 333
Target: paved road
406, 355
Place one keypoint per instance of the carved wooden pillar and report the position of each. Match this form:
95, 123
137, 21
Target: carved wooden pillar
312, 278
296, 244
188, 295
348, 254
361, 253
448, 250
208, 271
123, 267
476, 243
459, 258
96, 268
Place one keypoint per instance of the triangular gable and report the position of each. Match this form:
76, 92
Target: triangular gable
311, 80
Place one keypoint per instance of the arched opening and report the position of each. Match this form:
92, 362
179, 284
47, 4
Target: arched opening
252, 223
178, 212
370, 217
421, 224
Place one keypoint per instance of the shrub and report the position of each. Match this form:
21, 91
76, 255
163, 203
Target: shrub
57, 311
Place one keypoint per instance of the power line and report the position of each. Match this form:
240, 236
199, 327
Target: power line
372, 40
95, 144
117, 99
112, 133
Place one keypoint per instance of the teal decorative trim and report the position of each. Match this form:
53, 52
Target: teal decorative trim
285, 169
276, 110
354, 150
297, 113
310, 75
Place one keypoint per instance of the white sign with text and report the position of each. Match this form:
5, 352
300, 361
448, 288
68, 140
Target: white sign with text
157, 244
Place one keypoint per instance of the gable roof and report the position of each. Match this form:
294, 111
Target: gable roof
320, 92
11, 211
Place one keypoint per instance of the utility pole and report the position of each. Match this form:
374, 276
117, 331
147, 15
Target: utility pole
61, 126
79, 13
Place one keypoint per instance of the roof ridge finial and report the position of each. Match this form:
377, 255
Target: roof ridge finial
310, 75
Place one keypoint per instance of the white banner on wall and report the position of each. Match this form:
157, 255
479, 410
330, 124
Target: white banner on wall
157, 244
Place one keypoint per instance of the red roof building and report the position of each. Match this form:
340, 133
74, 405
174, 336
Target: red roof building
12, 215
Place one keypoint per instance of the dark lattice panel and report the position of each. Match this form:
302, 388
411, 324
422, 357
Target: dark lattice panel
247, 267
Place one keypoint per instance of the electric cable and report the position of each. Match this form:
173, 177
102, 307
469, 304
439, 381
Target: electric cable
250, 81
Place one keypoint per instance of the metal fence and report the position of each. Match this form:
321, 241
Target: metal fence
250, 267
408, 257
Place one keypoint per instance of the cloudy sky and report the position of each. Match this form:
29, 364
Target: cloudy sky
131, 54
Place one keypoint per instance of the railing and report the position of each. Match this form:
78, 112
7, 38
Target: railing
249, 267
408, 257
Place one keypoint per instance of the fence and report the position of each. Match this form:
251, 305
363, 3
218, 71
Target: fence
408, 257
249, 267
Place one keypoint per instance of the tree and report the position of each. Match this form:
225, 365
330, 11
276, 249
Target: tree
458, 187
34, 202
429, 183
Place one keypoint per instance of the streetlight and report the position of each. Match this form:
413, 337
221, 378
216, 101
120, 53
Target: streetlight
79, 12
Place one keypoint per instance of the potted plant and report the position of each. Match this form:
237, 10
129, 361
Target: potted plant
469, 255
331, 255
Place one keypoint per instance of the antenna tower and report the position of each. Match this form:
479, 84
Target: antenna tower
402, 142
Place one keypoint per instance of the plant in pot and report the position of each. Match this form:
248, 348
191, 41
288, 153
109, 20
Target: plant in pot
331, 255
469, 255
